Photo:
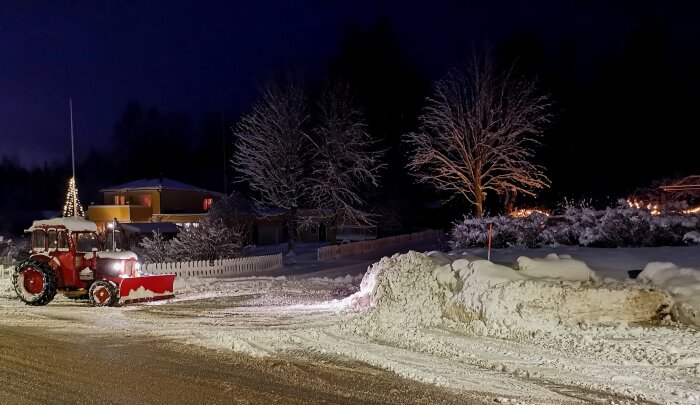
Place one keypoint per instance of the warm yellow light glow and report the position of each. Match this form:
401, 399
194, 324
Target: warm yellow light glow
72, 207
526, 212
694, 210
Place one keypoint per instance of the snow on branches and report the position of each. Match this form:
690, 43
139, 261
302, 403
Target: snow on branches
344, 159
273, 148
478, 132
293, 160
210, 240
621, 226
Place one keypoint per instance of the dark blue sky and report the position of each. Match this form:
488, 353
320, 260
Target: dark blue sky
201, 56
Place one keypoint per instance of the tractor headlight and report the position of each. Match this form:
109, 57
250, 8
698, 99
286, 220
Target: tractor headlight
117, 266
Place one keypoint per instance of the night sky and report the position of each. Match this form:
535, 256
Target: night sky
213, 56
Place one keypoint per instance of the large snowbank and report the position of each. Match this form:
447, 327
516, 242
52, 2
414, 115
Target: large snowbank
478, 312
544, 295
682, 283
613, 227
543, 298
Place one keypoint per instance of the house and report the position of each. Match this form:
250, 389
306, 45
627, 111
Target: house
160, 200
269, 227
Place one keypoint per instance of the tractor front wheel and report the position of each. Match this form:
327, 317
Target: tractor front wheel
103, 294
35, 282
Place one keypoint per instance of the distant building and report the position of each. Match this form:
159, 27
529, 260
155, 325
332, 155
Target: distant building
159, 200
269, 227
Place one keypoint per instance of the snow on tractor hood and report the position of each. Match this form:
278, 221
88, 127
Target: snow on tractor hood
126, 255
73, 224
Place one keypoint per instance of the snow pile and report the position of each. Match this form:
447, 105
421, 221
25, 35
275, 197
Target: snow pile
553, 266
413, 290
692, 238
508, 302
682, 283
6, 288
143, 293
402, 292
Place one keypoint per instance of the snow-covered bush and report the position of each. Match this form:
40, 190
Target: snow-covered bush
621, 226
14, 250
506, 232
155, 249
568, 227
471, 232
210, 240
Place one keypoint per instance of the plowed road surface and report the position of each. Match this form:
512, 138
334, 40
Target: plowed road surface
37, 367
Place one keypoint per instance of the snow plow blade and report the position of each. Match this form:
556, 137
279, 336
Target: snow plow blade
146, 288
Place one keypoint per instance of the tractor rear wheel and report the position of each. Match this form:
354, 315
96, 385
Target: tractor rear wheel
103, 294
35, 282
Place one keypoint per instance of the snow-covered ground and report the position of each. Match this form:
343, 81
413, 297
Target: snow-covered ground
555, 331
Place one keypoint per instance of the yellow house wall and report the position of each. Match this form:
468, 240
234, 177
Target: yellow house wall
134, 197
123, 213
106, 213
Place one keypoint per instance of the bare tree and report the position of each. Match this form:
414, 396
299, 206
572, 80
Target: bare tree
345, 160
273, 150
478, 132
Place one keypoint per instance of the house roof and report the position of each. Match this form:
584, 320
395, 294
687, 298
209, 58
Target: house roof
160, 183
685, 184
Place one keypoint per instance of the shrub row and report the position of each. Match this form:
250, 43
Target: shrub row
622, 226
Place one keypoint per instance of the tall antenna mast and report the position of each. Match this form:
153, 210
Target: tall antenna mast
223, 138
72, 153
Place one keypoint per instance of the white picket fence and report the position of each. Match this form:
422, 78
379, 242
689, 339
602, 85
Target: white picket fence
357, 248
217, 268
6, 270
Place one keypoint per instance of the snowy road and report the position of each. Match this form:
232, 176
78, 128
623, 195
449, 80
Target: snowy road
58, 368
303, 320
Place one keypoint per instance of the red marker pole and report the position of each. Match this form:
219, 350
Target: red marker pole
489, 251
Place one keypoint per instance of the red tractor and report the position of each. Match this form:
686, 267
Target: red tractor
66, 258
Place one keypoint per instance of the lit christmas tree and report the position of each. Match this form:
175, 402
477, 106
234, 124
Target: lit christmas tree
72, 207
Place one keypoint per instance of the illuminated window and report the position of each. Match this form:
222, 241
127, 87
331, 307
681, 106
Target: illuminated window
119, 200
207, 203
146, 200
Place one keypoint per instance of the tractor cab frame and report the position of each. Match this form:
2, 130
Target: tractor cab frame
67, 258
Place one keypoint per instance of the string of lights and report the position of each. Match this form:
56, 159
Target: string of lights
72, 207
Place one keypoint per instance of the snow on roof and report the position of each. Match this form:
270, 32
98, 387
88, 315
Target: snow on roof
157, 184
73, 224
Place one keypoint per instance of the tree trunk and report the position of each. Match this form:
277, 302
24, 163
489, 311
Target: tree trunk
479, 202
291, 229
510, 201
